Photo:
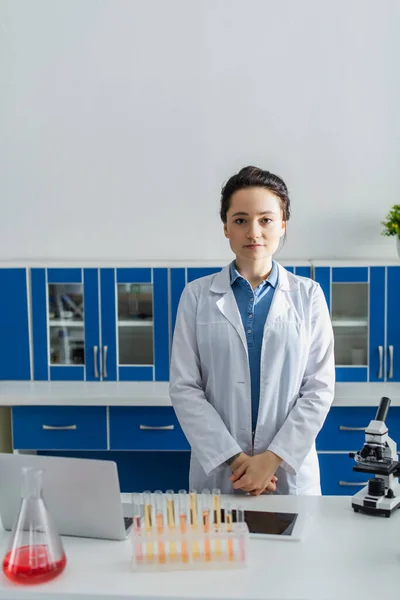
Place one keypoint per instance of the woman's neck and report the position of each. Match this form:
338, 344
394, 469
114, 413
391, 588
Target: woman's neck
255, 271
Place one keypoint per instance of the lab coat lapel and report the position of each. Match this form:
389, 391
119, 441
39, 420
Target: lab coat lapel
226, 302
280, 303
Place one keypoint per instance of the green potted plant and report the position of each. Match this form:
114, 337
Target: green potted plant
392, 224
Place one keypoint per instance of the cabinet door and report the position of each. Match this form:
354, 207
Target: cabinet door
14, 325
347, 294
377, 324
135, 324
65, 324
393, 324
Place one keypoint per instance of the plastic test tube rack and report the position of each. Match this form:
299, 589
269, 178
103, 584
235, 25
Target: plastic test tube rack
185, 531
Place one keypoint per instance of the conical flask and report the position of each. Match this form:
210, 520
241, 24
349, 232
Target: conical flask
35, 553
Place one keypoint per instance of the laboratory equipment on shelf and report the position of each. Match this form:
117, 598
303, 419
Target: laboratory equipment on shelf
186, 531
378, 456
34, 553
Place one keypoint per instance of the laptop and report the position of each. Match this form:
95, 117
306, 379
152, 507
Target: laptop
82, 495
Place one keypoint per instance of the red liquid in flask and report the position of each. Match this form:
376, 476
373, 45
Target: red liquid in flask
31, 564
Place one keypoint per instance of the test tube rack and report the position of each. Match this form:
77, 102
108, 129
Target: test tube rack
194, 550
193, 537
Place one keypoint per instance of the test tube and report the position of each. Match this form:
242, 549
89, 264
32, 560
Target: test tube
171, 522
194, 521
206, 509
183, 524
148, 523
217, 520
240, 519
159, 504
137, 526
228, 528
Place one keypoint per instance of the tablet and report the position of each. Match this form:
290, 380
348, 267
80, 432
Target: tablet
273, 525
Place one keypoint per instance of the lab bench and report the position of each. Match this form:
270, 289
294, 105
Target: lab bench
342, 555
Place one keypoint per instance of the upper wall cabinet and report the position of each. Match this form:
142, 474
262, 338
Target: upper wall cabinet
100, 324
364, 306
14, 325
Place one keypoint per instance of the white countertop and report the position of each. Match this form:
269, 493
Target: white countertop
343, 555
44, 393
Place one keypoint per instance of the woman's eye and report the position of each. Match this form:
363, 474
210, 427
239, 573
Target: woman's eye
239, 221
266, 220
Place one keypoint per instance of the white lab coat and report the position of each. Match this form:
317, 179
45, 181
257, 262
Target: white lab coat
210, 380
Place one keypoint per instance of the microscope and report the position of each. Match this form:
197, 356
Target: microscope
379, 457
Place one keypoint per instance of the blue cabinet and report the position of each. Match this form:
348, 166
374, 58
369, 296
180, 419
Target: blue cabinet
100, 325
59, 427
363, 303
14, 325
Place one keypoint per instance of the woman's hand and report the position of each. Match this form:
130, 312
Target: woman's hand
254, 473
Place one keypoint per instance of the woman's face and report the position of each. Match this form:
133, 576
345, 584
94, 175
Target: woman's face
254, 223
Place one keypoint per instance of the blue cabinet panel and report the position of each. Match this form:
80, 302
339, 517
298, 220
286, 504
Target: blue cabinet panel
343, 428
39, 325
350, 274
290, 269
14, 326
323, 276
140, 471
161, 325
59, 427
92, 323
376, 323
134, 275
393, 323
145, 428
303, 271
64, 275
338, 477
351, 374
196, 273
178, 282
108, 321
136, 373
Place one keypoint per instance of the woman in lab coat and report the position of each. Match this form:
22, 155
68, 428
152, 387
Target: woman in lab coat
252, 367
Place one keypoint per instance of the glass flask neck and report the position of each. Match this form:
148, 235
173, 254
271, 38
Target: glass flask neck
32, 482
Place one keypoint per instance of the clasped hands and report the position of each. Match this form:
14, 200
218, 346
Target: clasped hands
255, 474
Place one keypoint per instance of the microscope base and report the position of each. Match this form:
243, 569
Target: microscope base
376, 505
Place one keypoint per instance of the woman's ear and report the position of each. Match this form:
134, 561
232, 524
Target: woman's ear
226, 231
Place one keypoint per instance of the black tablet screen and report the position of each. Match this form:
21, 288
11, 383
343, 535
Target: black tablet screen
268, 522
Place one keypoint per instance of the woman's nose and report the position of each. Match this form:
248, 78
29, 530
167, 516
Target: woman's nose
254, 231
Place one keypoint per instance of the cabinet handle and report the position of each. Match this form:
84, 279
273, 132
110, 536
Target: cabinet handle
380, 350
59, 427
96, 371
154, 428
105, 348
353, 483
390, 362
345, 428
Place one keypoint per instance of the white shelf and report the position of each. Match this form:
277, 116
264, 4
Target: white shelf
65, 323
349, 322
135, 323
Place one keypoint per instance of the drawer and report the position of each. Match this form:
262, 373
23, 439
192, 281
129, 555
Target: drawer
338, 477
343, 428
145, 428
59, 427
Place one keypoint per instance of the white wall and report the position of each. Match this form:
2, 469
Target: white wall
120, 120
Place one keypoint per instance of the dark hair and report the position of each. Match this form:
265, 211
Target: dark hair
254, 177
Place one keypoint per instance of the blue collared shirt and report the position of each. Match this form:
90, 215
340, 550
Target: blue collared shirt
254, 307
